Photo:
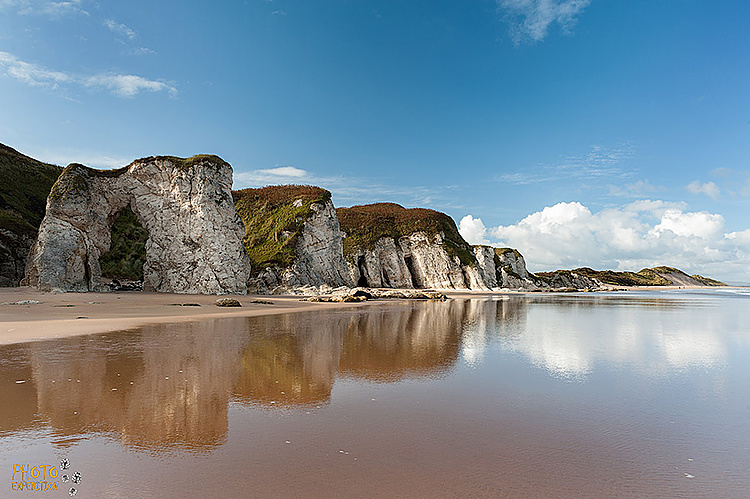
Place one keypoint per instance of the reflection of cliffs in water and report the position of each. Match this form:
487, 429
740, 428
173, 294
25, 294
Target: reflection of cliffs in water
168, 386
289, 361
389, 345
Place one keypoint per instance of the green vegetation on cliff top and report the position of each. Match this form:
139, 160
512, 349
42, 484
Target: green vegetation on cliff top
365, 224
644, 277
183, 162
24, 186
274, 217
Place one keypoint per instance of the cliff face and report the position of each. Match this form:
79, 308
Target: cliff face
292, 237
387, 245
506, 268
24, 185
185, 205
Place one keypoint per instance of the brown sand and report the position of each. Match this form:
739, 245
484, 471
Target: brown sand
70, 314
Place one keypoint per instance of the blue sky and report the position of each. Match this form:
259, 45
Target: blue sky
608, 133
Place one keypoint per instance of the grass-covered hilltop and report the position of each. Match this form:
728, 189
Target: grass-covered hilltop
657, 276
25, 184
295, 237
364, 225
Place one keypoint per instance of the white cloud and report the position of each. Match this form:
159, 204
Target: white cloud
709, 189
59, 9
531, 19
119, 28
473, 230
128, 85
271, 176
285, 171
46, 8
629, 237
32, 74
119, 84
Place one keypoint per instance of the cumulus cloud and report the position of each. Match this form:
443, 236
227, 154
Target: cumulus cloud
122, 85
119, 28
709, 189
473, 230
531, 19
629, 237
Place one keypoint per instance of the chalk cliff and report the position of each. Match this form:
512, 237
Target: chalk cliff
185, 205
292, 237
387, 245
506, 268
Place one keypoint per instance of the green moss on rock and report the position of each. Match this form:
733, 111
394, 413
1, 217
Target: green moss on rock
364, 225
274, 217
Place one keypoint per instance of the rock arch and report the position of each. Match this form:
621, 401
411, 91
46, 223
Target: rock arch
195, 234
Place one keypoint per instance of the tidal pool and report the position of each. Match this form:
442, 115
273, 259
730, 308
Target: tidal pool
636, 394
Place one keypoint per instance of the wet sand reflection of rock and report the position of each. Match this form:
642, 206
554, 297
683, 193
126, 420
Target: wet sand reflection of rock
289, 361
162, 386
391, 345
168, 386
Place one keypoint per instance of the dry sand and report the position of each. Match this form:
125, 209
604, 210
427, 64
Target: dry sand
69, 314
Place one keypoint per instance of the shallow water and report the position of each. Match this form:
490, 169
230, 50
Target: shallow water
575, 395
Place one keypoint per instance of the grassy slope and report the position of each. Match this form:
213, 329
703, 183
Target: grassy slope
365, 224
274, 217
24, 186
644, 277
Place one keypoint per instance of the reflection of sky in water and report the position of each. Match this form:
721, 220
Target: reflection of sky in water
570, 335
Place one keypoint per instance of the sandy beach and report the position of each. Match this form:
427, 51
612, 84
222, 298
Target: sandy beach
68, 314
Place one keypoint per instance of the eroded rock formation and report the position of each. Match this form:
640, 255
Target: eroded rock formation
387, 245
506, 268
195, 234
292, 237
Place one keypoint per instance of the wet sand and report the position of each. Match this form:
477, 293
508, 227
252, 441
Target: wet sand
61, 315
529, 395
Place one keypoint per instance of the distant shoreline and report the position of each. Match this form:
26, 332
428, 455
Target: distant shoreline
60, 315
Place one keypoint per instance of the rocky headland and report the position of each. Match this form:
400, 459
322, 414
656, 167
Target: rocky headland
174, 225
194, 240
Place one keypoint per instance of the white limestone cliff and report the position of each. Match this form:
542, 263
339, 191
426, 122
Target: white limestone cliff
195, 234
